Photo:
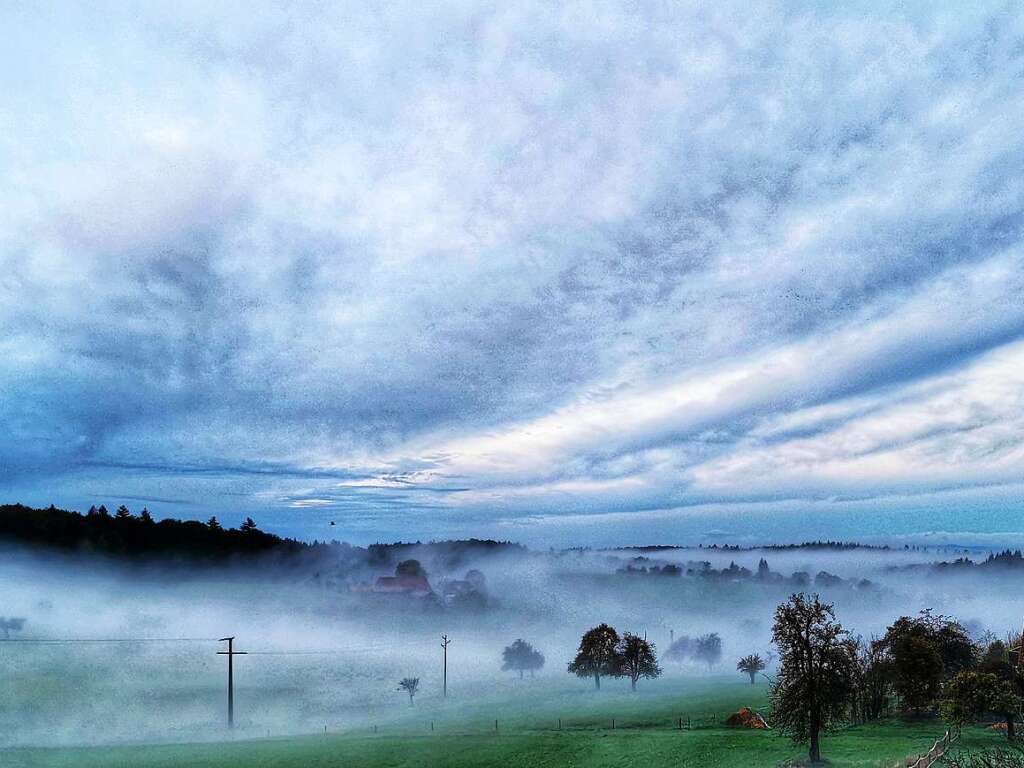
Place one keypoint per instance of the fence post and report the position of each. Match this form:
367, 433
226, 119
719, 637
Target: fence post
431, 726
559, 723
495, 726
613, 723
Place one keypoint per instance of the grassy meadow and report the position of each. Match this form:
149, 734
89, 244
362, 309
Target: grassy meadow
645, 734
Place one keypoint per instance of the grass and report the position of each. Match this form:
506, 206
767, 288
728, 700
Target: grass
464, 737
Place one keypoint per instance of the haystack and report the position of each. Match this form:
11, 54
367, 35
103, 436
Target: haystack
747, 718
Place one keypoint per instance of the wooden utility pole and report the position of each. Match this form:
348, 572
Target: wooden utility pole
230, 653
445, 642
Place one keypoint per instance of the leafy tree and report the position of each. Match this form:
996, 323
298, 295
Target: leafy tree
520, 657
597, 654
680, 649
751, 665
122, 513
970, 695
918, 668
637, 658
926, 650
1002, 662
996, 660
410, 685
814, 684
213, 524
708, 648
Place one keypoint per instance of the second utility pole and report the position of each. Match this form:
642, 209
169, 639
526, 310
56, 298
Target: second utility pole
230, 653
445, 642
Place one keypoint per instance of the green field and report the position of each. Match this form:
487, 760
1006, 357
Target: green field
645, 735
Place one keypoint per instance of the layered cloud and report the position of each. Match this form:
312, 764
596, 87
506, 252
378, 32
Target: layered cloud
451, 266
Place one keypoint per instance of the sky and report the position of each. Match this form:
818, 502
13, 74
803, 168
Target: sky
596, 273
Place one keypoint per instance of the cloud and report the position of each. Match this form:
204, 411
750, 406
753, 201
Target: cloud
529, 259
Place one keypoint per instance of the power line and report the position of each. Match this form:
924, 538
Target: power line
67, 640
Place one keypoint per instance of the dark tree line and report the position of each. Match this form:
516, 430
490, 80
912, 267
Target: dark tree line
126, 534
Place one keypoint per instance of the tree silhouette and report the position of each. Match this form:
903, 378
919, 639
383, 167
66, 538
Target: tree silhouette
138, 537
410, 685
708, 648
410, 568
144, 516
597, 654
213, 524
680, 649
637, 658
102, 511
249, 526
122, 513
8, 625
520, 657
751, 665
816, 671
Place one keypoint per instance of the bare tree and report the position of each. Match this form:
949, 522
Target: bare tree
411, 686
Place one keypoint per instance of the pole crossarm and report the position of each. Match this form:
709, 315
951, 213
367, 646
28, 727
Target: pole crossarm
231, 653
445, 642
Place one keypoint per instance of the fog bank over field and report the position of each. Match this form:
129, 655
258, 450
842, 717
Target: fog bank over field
327, 643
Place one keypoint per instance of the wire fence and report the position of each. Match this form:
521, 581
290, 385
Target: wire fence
683, 722
933, 755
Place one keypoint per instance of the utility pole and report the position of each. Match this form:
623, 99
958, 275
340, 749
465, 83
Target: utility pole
445, 642
230, 653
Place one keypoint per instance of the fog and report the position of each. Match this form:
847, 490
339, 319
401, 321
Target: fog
113, 653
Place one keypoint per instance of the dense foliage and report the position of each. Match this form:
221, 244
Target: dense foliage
926, 651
